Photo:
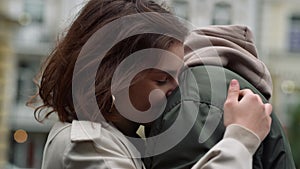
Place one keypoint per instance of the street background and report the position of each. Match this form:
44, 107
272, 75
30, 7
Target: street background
29, 30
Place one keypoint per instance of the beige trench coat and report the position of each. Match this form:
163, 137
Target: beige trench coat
86, 145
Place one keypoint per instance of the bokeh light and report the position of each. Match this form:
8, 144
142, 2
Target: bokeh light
20, 136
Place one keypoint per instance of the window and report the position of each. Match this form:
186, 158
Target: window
27, 70
294, 34
181, 9
221, 14
34, 9
33, 28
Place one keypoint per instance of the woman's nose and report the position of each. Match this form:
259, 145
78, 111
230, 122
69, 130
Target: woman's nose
172, 86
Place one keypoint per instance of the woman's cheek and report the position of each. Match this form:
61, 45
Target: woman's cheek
144, 96
157, 96
152, 98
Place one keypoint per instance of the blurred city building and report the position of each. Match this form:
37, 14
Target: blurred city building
218, 12
30, 28
7, 24
280, 45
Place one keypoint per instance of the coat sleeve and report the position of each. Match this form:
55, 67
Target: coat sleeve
234, 151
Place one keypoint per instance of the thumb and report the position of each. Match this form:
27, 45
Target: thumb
233, 91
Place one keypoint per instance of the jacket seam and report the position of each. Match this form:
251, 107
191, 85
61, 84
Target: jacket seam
245, 37
203, 102
263, 75
58, 131
66, 151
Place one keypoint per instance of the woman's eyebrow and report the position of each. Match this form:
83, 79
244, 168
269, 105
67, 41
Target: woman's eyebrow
166, 72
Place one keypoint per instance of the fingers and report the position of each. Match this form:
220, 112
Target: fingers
247, 93
249, 112
233, 91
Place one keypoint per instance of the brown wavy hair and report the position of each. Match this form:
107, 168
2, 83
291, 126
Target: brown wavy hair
55, 87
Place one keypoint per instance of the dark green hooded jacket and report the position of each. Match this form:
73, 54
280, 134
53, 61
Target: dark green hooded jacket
193, 118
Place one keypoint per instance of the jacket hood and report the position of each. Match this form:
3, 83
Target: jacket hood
231, 47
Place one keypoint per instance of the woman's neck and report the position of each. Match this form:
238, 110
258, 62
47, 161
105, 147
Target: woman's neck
126, 126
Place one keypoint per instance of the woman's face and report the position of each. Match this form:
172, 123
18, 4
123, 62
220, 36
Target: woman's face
150, 80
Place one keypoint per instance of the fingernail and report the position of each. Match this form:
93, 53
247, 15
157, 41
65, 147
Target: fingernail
233, 83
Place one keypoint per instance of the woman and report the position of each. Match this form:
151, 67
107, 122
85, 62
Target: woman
125, 56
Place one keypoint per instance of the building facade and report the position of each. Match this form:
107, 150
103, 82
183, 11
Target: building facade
218, 12
281, 46
6, 67
29, 31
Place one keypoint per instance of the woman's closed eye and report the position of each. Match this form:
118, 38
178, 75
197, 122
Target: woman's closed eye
162, 81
